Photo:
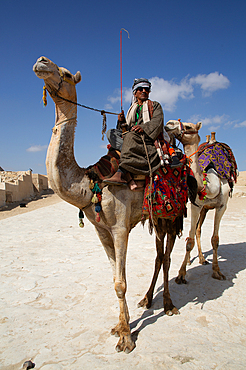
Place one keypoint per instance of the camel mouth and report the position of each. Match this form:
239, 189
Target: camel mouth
167, 128
41, 69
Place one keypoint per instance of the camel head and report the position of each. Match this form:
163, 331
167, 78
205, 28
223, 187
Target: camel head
186, 133
58, 80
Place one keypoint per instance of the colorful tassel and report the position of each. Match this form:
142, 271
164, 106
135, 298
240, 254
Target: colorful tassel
44, 96
81, 216
94, 199
98, 207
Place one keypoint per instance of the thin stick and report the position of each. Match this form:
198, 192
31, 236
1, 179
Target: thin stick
121, 65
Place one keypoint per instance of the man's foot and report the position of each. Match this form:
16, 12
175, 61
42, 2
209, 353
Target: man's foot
175, 162
132, 185
116, 179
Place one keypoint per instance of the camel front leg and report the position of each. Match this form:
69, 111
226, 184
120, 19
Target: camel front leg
122, 329
169, 307
202, 217
217, 274
108, 244
190, 242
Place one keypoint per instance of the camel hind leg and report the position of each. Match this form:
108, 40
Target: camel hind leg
169, 307
162, 259
147, 300
217, 274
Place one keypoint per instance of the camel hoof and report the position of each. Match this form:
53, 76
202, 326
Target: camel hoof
203, 262
218, 275
180, 280
171, 311
145, 303
28, 365
125, 344
175, 311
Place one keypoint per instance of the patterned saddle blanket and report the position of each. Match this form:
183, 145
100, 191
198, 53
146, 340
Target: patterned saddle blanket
167, 196
221, 156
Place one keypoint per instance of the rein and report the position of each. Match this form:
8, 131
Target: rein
55, 93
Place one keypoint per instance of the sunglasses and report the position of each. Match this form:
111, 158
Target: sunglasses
147, 89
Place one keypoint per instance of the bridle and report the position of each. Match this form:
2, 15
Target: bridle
184, 131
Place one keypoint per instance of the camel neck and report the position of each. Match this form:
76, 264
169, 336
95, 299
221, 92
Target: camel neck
189, 150
65, 111
67, 179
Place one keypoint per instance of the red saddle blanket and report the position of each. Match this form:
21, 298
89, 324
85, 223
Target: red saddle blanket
167, 196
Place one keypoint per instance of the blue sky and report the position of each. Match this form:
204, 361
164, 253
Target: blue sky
193, 52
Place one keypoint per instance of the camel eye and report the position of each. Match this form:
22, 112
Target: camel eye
68, 75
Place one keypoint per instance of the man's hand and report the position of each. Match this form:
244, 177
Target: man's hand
121, 117
137, 129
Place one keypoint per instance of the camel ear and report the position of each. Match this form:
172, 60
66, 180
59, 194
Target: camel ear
198, 125
77, 77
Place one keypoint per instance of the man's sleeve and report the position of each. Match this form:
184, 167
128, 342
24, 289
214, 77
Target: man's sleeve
155, 126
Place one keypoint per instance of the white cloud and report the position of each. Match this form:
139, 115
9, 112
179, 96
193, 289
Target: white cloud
214, 123
37, 148
213, 128
108, 107
128, 95
214, 120
242, 124
169, 92
115, 98
211, 82
165, 92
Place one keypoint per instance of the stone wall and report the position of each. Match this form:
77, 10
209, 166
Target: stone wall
17, 186
40, 182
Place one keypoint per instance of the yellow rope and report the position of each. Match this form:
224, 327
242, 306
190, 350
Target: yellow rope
44, 96
64, 78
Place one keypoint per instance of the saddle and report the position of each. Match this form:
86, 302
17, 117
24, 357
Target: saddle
220, 156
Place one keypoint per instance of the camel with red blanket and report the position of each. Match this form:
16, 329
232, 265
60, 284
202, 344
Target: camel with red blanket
113, 210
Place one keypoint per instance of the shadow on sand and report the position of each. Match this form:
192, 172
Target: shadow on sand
201, 287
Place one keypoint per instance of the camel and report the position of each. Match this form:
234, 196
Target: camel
121, 207
217, 196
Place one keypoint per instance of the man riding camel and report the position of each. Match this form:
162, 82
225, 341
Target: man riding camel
143, 125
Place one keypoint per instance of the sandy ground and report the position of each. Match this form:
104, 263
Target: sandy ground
58, 302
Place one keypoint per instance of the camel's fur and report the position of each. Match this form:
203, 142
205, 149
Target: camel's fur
121, 207
217, 197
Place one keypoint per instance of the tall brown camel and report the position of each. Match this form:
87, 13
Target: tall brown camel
217, 196
121, 207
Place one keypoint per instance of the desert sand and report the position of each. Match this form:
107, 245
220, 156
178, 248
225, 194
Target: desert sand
58, 303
